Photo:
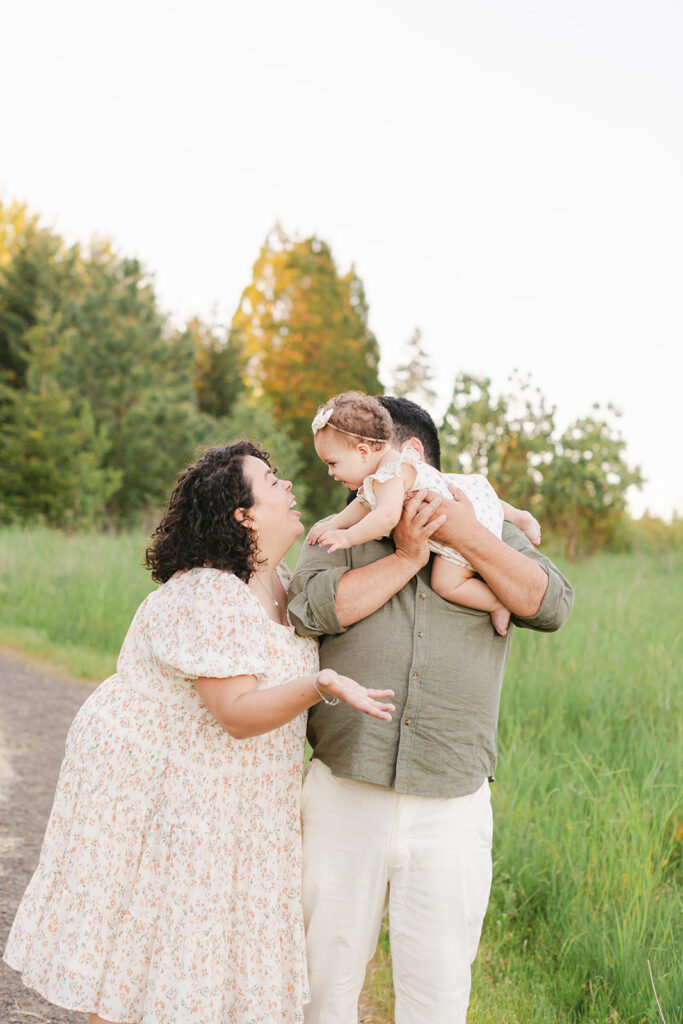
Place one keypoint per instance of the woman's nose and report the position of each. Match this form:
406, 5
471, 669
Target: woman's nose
288, 484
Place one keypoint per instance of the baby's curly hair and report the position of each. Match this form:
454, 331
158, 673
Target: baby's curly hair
199, 528
358, 417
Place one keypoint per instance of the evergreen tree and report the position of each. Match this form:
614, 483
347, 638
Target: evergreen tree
305, 331
51, 452
219, 368
110, 356
39, 271
137, 380
16, 221
413, 379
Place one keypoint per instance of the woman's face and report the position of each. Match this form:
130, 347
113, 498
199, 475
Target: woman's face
273, 513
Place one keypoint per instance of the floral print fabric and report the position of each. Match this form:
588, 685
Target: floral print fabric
168, 888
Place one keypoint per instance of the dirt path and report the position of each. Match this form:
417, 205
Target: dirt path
36, 709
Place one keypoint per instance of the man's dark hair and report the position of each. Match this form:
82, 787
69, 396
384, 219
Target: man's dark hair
411, 420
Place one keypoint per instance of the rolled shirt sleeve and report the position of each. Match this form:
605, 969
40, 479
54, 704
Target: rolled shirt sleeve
559, 596
312, 595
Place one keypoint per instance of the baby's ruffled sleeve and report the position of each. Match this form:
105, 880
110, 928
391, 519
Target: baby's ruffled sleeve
206, 625
409, 455
367, 491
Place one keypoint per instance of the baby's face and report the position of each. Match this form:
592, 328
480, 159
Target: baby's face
346, 464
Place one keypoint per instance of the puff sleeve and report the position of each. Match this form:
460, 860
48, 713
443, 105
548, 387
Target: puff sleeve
205, 623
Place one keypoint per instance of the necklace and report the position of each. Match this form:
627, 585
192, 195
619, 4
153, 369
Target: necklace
268, 592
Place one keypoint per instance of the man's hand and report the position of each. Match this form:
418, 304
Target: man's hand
458, 514
518, 582
421, 518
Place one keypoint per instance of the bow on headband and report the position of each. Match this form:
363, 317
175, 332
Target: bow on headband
321, 419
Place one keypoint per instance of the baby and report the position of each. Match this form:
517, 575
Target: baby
352, 435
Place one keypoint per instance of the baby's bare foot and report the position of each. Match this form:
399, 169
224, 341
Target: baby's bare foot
501, 620
530, 527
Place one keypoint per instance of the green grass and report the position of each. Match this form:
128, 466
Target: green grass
70, 599
589, 808
588, 865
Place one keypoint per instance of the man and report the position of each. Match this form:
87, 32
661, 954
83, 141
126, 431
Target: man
399, 814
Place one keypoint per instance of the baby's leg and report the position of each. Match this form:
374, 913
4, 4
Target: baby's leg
524, 521
529, 526
456, 583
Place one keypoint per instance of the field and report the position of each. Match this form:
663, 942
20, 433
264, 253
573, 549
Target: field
587, 895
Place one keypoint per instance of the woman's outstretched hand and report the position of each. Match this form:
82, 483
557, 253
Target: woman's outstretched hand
355, 695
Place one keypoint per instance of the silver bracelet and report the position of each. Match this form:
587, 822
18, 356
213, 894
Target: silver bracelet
326, 700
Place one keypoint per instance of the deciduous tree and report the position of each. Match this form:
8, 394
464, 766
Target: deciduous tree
575, 483
507, 437
585, 484
305, 330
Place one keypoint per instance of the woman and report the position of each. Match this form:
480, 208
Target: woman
168, 888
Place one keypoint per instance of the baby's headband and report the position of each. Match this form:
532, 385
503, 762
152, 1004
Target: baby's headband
322, 419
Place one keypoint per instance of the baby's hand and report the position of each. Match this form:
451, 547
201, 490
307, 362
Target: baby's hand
530, 527
335, 539
316, 533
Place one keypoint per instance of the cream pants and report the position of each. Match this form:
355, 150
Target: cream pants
429, 860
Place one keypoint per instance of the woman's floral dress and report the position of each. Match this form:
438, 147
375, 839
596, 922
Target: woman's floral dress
169, 884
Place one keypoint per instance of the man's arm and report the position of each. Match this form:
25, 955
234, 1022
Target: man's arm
326, 595
518, 575
362, 591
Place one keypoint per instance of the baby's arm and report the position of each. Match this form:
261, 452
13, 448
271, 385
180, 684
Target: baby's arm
375, 524
352, 514
524, 521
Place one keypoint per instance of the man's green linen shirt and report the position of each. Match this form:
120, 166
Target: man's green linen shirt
444, 661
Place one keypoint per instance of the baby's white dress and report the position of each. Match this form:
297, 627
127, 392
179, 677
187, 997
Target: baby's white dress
487, 507
169, 884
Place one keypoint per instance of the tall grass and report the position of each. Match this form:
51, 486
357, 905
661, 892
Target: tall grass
588, 805
70, 599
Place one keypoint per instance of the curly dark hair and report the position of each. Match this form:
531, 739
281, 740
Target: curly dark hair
199, 527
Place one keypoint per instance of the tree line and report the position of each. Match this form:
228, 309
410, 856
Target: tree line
103, 399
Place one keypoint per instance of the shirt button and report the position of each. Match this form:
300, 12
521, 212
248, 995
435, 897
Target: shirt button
415, 675
422, 597
406, 721
420, 633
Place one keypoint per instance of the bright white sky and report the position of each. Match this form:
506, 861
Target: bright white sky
505, 174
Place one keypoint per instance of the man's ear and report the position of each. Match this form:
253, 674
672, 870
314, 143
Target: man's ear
416, 443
